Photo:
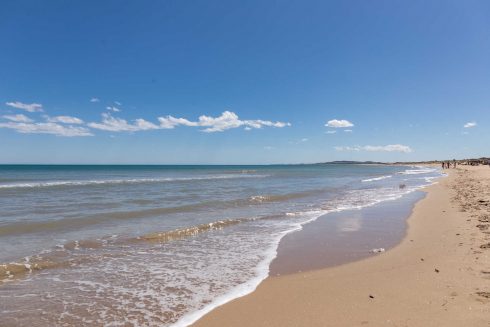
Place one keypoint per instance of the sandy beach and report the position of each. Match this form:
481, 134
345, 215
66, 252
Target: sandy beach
439, 275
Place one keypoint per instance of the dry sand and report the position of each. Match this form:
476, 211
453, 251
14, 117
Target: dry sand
439, 275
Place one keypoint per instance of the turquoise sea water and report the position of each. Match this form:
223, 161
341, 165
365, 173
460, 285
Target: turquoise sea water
161, 245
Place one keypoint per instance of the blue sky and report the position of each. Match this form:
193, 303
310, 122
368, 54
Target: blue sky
243, 81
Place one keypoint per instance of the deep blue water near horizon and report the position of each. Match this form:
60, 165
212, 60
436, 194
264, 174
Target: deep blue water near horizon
155, 245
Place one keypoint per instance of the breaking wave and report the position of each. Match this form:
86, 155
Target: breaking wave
123, 181
376, 178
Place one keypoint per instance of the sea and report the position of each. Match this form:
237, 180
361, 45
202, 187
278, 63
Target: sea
101, 245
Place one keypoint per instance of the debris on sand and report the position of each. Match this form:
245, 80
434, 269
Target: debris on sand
379, 250
483, 226
484, 294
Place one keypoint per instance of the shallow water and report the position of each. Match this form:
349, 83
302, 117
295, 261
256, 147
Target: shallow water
161, 245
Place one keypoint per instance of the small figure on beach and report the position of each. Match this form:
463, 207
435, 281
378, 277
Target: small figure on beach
443, 165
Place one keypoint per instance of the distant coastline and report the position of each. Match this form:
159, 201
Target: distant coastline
481, 160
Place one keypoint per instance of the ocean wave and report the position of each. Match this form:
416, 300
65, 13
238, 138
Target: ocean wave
69, 223
189, 231
123, 181
62, 256
376, 178
13, 270
282, 197
417, 171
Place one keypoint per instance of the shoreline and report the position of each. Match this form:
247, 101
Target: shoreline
345, 236
274, 264
414, 284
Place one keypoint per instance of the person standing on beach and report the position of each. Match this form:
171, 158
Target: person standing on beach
443, 165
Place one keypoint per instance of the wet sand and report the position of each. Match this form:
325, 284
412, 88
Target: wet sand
342, 237
439, 275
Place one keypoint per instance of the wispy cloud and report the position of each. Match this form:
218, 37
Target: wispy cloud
330, 132
470, 124
170, 122
303, 140
113, 124
18, 118
342, 123
63, 125
65, 120
32, 107
112, 108
47, 128
376, 148
348, 130
118, 103
94, 100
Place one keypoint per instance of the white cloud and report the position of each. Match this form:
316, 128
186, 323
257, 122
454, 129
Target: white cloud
33, 107
227, 120
65, 120
470, 124
94, 100
170, 122
47, 128
347, 148
18, 118
330, 132
348, 130
112, 108
268, 147
334, 123
114, 124
299, 141
118, 103
62, 125
376, 148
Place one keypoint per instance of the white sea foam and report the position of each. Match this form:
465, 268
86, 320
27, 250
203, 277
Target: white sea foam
418, 171
261, 273
38, 184
259, 198
377, 178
